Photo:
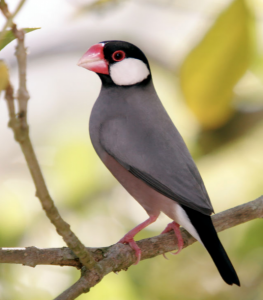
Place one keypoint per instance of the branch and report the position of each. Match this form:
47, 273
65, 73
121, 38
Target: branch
119, 256
21, 132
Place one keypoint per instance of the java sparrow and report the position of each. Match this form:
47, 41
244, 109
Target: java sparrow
137, 141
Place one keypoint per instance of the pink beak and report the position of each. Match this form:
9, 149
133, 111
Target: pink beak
94, 60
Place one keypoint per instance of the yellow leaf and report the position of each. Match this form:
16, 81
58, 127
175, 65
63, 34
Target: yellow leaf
4, 76
210, 72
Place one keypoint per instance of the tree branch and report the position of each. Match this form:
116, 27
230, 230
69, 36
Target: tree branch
118, 256
122, 255
21, 132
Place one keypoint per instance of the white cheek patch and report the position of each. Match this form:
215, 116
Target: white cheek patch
129, 71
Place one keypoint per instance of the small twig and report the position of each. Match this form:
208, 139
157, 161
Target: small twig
8, 15
22, 94
10, 101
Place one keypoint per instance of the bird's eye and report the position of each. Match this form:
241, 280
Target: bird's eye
118, 55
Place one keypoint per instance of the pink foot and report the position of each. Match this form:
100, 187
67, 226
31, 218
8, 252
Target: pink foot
128, 238
176, 228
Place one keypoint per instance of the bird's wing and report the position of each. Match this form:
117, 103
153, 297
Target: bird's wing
159, 157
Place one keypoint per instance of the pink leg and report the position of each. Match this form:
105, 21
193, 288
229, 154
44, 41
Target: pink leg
176, 228
128, 238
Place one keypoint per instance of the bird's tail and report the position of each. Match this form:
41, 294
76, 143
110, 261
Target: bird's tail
205, 229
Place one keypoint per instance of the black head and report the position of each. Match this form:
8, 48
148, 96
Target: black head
117, 63
130, 50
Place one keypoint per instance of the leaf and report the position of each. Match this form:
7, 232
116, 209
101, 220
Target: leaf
9, 36
210, 72
4, 76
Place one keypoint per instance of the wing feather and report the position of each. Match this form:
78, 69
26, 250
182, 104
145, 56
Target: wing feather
159, 158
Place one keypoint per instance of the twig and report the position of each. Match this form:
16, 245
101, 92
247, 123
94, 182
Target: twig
22, 94
8, 15
9, 96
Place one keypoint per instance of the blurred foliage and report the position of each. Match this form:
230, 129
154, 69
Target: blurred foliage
76, 167
9, 36
210, 72
4, 76
12, 224
241, 123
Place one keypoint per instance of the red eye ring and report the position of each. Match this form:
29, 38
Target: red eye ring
118, 55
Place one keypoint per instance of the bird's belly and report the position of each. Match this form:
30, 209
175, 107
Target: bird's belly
152, 201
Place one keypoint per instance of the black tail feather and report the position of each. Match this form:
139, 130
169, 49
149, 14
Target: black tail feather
205, 228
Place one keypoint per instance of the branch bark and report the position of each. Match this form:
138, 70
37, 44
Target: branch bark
119, 256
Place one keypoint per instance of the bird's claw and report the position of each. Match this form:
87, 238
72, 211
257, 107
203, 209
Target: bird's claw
134, 246
176, 228
173, 253
165, 256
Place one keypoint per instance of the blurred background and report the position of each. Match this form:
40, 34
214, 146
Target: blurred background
206, 60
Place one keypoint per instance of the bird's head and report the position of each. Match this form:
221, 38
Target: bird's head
118, 62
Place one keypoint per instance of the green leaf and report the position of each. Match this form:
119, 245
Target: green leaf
210, 72
9, 36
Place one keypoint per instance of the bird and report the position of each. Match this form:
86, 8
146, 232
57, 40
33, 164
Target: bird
137, 141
